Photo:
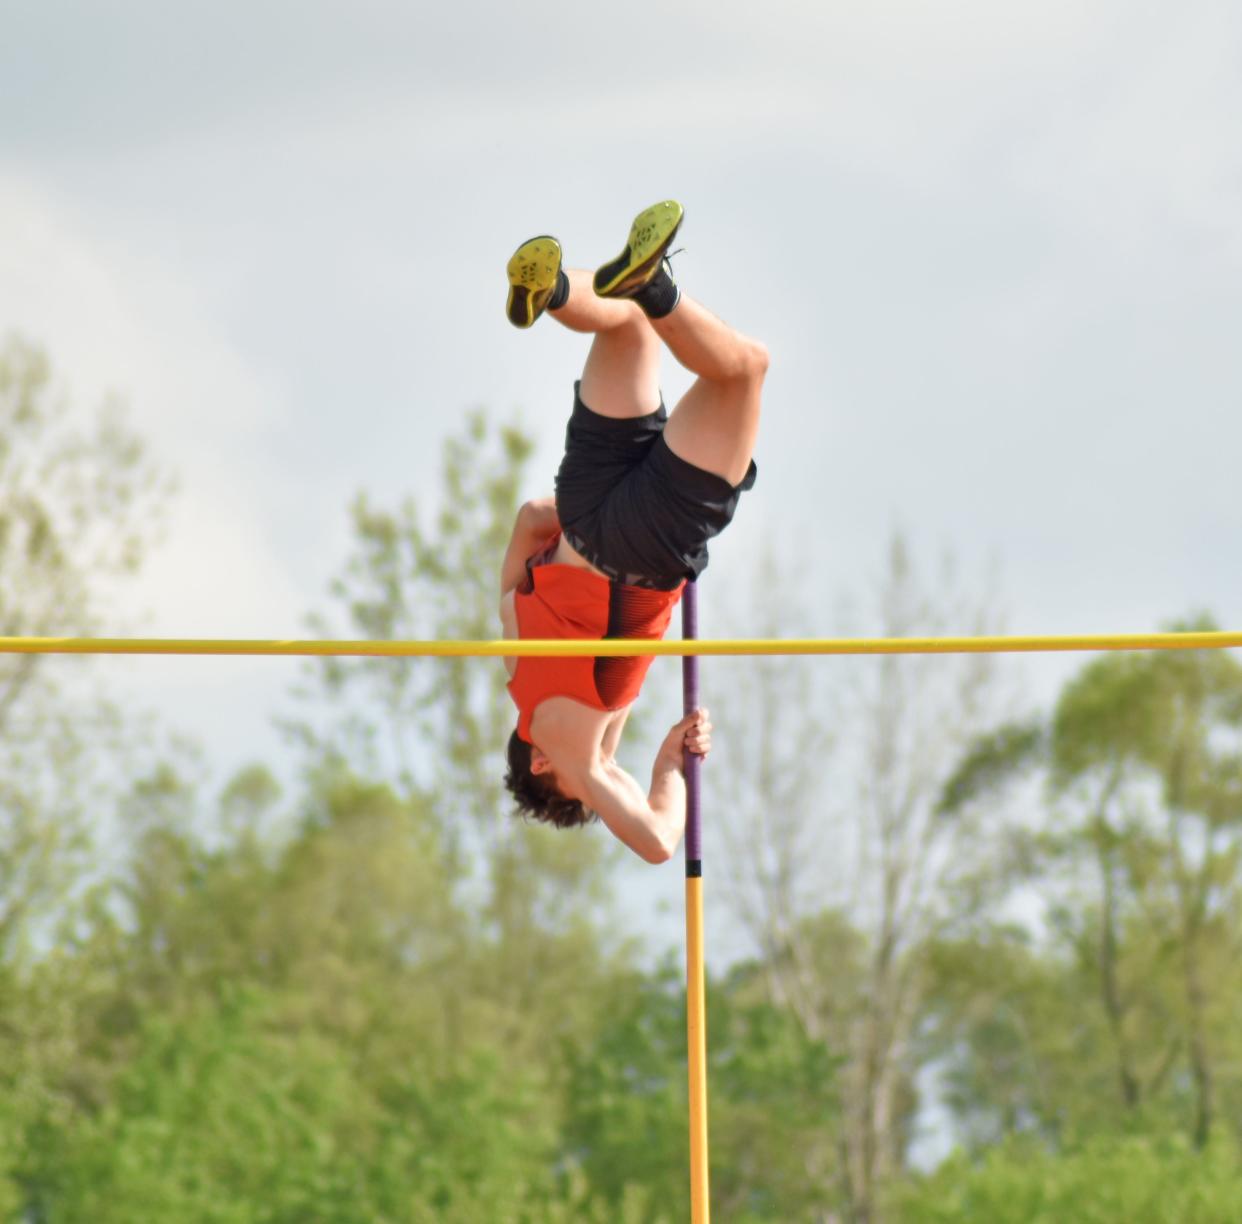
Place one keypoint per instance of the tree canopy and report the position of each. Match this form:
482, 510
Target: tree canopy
373, 994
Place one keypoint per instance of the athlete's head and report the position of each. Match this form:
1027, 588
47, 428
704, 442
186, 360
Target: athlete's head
532, 783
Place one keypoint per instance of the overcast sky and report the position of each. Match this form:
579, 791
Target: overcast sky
995, 249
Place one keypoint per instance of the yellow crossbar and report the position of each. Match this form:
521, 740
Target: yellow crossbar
576, 648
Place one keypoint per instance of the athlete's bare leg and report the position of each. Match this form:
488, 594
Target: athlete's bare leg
621, 377
715, 425
716, 422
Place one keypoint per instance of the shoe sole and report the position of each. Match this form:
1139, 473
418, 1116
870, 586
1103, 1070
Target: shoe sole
650, 237
532, 270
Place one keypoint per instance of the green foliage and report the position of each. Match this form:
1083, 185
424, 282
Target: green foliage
772, 1103
1020, 1040
228, 1115
1124, 1015
78, 510
437, 732
434, 727
1135, 1179
307, 1031
372, 996
991, 763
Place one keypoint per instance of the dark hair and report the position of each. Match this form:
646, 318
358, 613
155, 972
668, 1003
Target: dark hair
538, 796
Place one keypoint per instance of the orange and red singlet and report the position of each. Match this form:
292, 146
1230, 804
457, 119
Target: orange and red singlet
565, 601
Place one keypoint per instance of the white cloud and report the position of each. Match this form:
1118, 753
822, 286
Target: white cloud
1149, 141
115, 321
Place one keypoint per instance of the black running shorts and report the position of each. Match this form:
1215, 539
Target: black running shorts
636, 511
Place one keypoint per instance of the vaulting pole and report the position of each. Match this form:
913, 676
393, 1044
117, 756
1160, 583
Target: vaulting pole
696, 1002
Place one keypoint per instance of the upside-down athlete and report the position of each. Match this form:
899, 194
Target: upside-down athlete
638, 495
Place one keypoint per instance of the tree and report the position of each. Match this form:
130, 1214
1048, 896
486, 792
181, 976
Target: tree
847, 897
627, 1115
80, 504
1138, 1179
1170, 722
78, 510
431, 726
1143, 771
436, 728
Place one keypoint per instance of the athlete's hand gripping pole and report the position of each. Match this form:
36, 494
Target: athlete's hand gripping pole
696, 1013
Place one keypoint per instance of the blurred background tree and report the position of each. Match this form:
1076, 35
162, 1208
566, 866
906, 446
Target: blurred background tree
365, 992
79, 507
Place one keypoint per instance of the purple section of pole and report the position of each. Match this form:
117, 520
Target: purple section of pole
690, 691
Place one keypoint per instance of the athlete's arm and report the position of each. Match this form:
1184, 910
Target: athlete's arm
536, 524
652, 824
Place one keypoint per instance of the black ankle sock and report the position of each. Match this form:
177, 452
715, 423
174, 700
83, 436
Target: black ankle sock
660, 295
560, 295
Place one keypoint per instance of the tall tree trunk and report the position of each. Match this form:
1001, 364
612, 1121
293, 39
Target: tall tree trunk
1109, 987
1200, 1063
1189, 898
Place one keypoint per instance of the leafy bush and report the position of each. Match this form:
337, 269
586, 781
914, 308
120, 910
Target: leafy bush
1107, 1180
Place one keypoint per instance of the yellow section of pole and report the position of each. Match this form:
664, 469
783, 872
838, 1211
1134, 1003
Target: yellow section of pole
696, 1043
617, 647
